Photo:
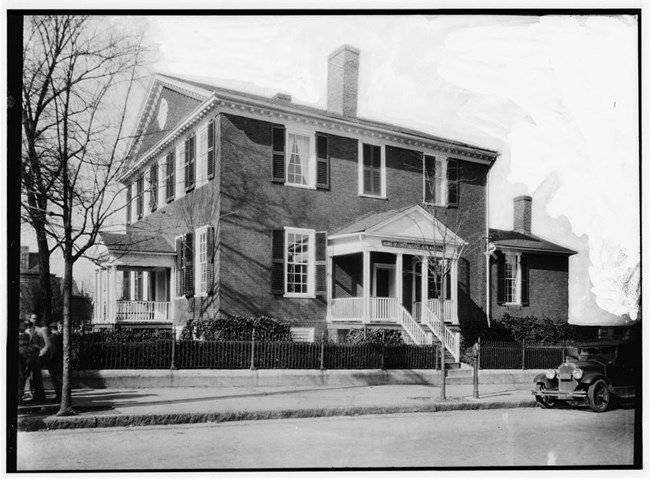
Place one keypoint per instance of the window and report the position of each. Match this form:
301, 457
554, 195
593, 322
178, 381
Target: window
372, 171
512, 278
299, 262
300, 158
129, 200
202, 157
139, 191
302, 335
440, 180
170, 169
211, 152
190, 162
204, 260
153, 187
439, 275
139, 285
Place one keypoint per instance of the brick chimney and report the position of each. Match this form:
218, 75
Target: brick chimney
522, 218
343, 81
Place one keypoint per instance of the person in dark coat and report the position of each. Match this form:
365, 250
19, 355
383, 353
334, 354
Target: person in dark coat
55, 359
24, 358
39, 341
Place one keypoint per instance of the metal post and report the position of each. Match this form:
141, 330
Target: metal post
523, 354
253, 368
173, 365
443, 372
477, 349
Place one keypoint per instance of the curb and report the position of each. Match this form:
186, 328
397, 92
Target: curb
79, 422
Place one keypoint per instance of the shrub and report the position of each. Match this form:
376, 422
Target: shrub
531, 329
236, 328
127, 335
374, 336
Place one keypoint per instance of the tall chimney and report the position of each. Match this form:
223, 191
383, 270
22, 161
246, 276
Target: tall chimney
522, 218
343, 81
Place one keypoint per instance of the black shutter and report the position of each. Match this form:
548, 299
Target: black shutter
179, 267
171, 180
452, 182
277, 266
278, 154
211, 141
525, 299
321, 263
153, 187
188, 264
429, 168
129, 198
501, 278
322, 162
210, 257
190, 150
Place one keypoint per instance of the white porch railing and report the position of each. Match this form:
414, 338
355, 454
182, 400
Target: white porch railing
142, 311
445, 310
345, 309
384, 309
450, 339
413, 328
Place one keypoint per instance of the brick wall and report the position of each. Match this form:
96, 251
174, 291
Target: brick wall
548, 288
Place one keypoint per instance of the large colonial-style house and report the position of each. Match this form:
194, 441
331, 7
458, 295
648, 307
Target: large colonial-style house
239, 204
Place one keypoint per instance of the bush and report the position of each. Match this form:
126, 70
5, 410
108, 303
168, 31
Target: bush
374, 336
531, 329
236, 328
127, 335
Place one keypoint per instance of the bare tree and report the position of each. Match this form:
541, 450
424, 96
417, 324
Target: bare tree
79, 76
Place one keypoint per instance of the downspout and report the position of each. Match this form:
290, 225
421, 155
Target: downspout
487, 248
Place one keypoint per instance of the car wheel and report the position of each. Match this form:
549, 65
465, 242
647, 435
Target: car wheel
546, 402
599, 396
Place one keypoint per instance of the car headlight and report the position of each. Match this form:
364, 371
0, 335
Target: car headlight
577, 374
550, 373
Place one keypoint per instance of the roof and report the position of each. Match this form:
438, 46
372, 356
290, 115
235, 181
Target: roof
368, 221
525, 241
309, 109
136, 243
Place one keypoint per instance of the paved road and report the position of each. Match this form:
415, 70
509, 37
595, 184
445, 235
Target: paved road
504, 437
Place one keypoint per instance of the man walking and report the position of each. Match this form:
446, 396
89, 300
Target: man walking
40, 343
55, 359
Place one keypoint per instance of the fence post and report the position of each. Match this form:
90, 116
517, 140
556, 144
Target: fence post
322, 355
173, 365
253, 368
523, 354
383, 356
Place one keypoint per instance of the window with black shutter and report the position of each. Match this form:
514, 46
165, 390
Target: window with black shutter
129, 199
278, 140
452, 182
188, 264
170, 180
211, 260
211, 150
501, 277
180, 277
153, 187
321, 263
140, 196
371, 170
190, 162
322, 162
525, 294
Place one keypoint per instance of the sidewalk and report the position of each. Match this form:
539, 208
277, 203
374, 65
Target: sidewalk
159, 406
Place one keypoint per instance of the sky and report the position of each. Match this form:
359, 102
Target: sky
555, 95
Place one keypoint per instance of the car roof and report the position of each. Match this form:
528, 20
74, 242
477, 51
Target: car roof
597, 344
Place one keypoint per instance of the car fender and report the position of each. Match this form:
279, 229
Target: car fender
548, 383
592, 378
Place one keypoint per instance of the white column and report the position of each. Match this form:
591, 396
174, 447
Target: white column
425, 280
366, 286
330, 286
97, 298
398, 279
454, 293
112, 294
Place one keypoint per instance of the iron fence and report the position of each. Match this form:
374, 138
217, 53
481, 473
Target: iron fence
513, 355
252, 354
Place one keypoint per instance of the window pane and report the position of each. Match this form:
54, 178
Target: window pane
297, 262
298, 159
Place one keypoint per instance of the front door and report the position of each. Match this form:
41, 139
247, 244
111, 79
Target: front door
384, 281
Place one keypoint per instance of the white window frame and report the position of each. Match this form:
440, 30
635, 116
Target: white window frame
442, 177
311, 262
201, 267
179, 187
311, 160
201, 165
516, 295
382, 149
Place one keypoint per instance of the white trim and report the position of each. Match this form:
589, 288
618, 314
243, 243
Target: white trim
197, 264
311, 262
382, 153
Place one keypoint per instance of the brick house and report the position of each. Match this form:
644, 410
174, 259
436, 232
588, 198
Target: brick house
239, 204
529, 275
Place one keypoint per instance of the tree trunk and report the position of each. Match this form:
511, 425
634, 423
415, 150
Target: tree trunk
66, 392
44, 279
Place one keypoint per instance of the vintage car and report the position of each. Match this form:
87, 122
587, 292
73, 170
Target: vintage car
593, 374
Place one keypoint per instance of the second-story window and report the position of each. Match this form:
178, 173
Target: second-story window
300, 158
190, 162
440, 179
153, 187
170, 169
372, 171
139, 191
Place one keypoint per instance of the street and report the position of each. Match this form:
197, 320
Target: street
497, 438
